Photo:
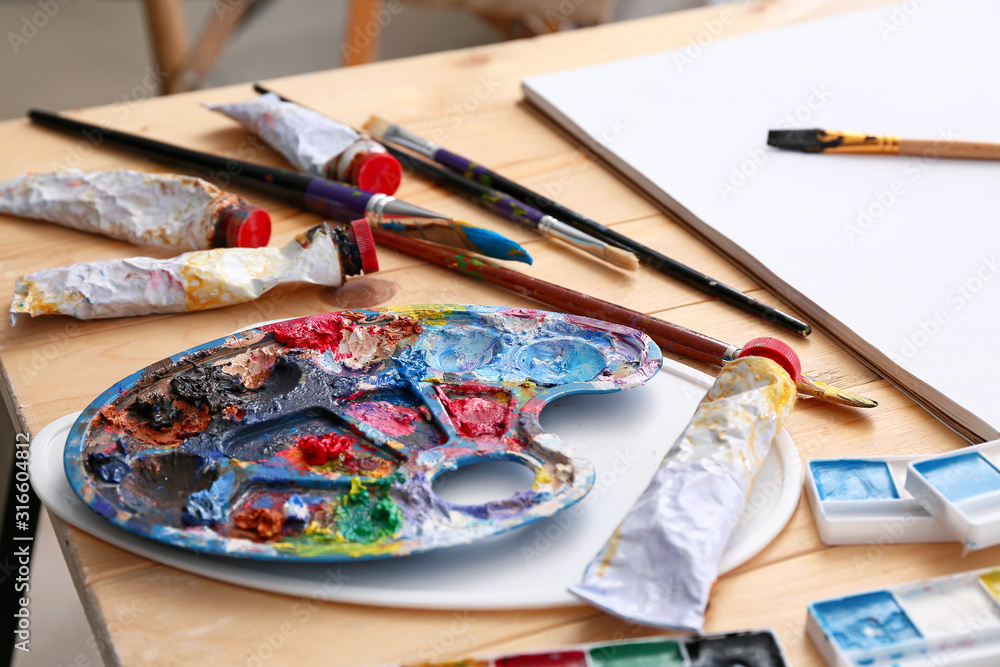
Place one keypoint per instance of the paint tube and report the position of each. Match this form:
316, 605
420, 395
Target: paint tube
662, 560
148, 209
317, 144
196, 280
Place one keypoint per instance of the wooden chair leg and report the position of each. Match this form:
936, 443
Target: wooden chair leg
165, 19
218, 28
363, 32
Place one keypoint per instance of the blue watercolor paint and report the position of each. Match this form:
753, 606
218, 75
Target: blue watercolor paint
852, 479
867, 621
961, 477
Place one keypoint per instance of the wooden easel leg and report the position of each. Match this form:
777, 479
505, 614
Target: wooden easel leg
165, 19
362, 33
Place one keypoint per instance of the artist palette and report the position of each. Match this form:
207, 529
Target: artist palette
321, 438
962, 490
952, 621
865, 501
737, 649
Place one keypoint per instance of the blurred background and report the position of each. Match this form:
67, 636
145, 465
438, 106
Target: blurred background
64, 54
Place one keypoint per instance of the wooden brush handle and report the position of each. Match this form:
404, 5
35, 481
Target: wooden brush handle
972, 150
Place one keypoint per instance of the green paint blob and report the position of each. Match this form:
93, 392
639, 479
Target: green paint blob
367, 515
642, 654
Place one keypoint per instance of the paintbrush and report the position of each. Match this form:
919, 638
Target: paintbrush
655, 260
670, 337
516, 211
506, 206
457, 234
832, 141
332, 199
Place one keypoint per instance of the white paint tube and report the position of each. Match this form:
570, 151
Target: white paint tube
661, 562
164, 210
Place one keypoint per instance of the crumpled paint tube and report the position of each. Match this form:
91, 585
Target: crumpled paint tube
195, 280
662, 560
317, 144
150, 209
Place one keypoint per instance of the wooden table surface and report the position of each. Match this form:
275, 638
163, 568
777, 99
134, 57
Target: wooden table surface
144, 613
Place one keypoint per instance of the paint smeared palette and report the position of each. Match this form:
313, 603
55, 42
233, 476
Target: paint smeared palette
736, 649
951, 621
320, 438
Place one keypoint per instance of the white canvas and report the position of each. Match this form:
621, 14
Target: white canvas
899, 257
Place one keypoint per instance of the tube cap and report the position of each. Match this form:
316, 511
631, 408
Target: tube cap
362, 234
777, 351
377, 172
245, 226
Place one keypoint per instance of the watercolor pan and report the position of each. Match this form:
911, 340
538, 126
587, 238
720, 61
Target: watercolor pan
320, 438
863, 501
952, 621
737, 649
962, 490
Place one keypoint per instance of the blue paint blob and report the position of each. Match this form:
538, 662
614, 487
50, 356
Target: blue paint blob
853, 479
296, 510
208, 506
109, 468
461, 349
867, 621
560, 361
961, 477
492, 244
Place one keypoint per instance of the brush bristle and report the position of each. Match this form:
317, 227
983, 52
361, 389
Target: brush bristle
377, 125
621, 258
807, 141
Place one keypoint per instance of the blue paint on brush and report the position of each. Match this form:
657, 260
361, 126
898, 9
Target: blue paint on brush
867, 621
852, 479
492, 244
961, 477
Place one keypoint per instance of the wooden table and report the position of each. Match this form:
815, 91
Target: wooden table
145, 613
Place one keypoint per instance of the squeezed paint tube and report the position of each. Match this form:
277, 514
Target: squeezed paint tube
196, 280
151, 209
662, 560
317, 144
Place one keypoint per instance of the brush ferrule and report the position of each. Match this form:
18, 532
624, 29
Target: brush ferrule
859, 142
732, 352
399, 135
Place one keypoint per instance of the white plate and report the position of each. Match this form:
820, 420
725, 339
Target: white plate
625, 434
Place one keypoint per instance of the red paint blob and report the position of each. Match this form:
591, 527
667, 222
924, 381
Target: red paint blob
559, 659
320, 449
319, 332
476, 417
389, 418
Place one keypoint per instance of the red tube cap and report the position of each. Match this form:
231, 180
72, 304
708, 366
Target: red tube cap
246, 226
366, 245
777, 351
378, 172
